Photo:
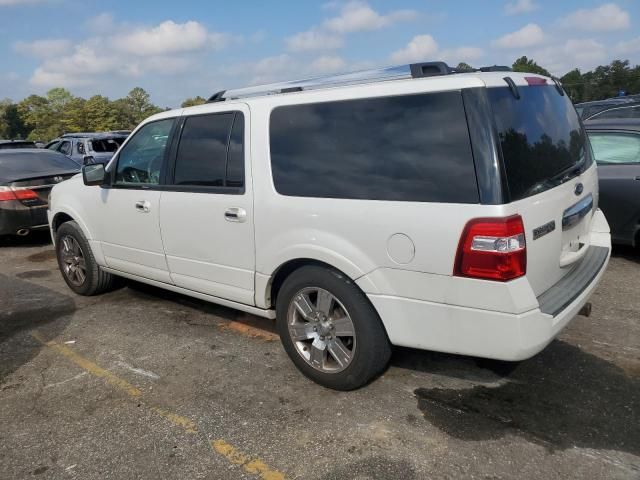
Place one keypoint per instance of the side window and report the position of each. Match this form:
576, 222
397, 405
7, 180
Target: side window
210, 152
612, 148
52, 145
65, 147
235, 163
407, 148
140, 161
80, 147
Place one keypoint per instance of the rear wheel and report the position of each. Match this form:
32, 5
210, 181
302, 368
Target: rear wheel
77, 263
330, 330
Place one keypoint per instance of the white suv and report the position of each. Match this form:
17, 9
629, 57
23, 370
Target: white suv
411, 206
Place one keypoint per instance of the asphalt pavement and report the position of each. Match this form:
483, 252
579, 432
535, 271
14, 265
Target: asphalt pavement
143, 383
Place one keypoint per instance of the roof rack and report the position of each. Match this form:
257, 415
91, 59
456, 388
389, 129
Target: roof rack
414, 70
398, 72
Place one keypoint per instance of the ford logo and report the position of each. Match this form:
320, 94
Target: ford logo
579, 188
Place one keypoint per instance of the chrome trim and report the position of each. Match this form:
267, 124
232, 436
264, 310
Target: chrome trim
577, 212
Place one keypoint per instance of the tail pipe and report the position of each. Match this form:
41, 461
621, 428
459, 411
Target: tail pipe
23, 232
585, 311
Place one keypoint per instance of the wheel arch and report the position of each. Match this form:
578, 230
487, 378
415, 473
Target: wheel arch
280, 274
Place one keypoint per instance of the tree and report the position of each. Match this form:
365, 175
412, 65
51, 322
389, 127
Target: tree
74, 116
101, 114
37, 116
573, 85
464, 67
139, 105
190, 102
523, 64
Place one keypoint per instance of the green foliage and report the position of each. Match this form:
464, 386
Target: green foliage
11, 124
190, 102
603, 82
524, 64
464, 67
45, 117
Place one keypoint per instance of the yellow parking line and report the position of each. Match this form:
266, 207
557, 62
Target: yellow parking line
90, 367
254, 466
251, 465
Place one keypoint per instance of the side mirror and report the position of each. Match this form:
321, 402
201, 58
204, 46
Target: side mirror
88, 160
94, 174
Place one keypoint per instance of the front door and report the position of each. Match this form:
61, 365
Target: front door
129, 225
206, 214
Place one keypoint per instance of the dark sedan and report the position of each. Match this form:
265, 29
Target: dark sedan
616, 146
12, 144
26, 178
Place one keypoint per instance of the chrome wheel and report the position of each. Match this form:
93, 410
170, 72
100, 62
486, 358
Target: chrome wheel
321, 330
73, 263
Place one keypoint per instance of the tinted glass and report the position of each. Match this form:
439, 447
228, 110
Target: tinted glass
140, 161
10, 145
65, 147
80, 147
541, 138
23, 163
409, 148
620, 112
615, 147
235, 162
52, 145
202, 151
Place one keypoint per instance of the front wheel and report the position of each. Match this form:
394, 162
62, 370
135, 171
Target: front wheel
330, 330
77, 264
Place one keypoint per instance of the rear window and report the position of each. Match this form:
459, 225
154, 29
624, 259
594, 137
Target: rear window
17, 164
11, 145
543, 142
406, 148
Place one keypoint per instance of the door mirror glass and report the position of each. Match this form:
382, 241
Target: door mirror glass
93, 174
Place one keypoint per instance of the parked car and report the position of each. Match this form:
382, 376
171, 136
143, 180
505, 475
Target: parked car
616, 148
619, 107
410, 206
89, 147
13, 144
26, 178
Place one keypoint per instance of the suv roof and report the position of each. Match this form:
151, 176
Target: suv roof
398, 72
115, 133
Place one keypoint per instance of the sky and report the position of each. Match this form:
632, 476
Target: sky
176, 50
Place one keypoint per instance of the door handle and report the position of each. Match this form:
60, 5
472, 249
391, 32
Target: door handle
638, 177
235, 214
143, 206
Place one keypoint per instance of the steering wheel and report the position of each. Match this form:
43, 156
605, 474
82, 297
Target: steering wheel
130, 175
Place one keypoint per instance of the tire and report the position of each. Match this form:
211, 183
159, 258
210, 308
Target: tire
323, 348
95, 280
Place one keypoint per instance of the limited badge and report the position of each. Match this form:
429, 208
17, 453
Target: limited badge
542, 230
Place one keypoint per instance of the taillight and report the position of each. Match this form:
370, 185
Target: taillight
533, 81
492, 249
17, 193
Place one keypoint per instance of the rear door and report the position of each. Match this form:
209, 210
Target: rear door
206, 215
618, 156
550, 175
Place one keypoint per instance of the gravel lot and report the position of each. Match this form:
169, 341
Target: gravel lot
143, 383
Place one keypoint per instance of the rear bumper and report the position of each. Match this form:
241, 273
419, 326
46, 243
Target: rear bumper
485, 333
14, 216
